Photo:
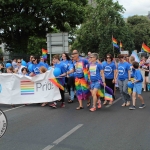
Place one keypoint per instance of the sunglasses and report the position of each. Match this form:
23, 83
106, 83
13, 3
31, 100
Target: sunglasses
91, 57
107, 57
18, 62
74, 53
33, 60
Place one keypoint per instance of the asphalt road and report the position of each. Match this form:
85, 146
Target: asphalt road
110, 128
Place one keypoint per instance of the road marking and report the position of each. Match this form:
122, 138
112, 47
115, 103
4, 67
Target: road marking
113, 102
63, 137
13, 108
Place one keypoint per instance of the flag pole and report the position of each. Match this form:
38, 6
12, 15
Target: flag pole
113, 47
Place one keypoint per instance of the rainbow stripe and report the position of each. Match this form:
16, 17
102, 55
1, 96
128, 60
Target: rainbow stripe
114, 42
86, 74
145, 48
44, 53
108, 97
58, 82
82, 89
121, 45
27, 87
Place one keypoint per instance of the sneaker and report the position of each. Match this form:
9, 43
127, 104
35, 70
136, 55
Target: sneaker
93, 109
142, 106
62, 105
53, 105
99, 104
132, 107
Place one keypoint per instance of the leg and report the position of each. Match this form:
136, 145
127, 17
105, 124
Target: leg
94, 95
141, 98
133, 98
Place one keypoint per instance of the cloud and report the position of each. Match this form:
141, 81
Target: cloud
135, 7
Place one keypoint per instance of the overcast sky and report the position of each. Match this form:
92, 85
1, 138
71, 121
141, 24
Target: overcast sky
135, 7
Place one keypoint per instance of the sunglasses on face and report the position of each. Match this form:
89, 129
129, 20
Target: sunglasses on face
33, 60
18, 62
91, 57
107, 57
74, 53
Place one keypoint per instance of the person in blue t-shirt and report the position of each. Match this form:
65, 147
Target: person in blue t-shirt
81, 84
36, 64
60, 65
96, 71
137, 89
110, 73
123, 77
30, 62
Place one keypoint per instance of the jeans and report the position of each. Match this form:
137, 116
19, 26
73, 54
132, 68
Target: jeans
123, 87
71, 94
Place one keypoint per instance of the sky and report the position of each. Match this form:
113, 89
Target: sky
135, 7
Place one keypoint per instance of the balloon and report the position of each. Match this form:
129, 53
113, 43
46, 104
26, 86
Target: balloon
49, 68
23, 63
130, 84
57, 72
8, 65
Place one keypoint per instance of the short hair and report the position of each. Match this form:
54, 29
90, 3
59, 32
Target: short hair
135, 65
131, 59
11, 69
24, 68
43, 69
111, 57
56, 57
120, 56
95, 55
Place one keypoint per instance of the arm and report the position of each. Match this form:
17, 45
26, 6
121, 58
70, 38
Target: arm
129, 74
115, 75
103, 77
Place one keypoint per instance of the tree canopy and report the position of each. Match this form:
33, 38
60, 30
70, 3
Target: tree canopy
102, 22
21, 19
140, 26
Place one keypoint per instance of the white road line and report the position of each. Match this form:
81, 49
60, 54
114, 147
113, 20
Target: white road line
63, 137
113, 102
13, 108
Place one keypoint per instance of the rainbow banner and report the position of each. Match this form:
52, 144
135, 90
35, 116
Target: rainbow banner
108, 97
114, 42
58, 82
26, 87
44, 53
145, 48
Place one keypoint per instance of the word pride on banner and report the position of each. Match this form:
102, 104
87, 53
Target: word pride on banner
17, 89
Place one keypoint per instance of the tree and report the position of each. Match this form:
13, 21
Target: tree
22, 19
140, 26
102, 22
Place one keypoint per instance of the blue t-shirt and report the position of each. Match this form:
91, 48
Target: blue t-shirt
79, 66
71, 67
66, 64
138, 76
29, 63
95, 71
123, 69
109, 70
132, 71
36, 67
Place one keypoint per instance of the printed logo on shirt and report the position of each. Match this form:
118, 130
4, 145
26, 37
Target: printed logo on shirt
93, 70
79, 67
121, 70
36, 70
107, 70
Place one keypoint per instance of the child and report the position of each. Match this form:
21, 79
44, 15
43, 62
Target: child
10, 70
137, 89
24, 71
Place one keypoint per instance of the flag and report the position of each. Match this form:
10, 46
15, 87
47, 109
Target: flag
145, 48
44, 53
134, 54
114, 42
108, 97
58, 82
86, 74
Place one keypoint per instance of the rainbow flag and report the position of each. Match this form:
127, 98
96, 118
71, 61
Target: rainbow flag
58, 82
145, 48
108, 97
121, 44
44, 53
86, 74
114, 42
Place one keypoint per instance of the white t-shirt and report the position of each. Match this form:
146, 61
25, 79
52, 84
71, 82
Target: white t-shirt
19, 69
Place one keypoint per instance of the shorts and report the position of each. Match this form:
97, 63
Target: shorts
95, 85
137, 88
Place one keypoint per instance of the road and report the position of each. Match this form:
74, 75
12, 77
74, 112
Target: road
112, 127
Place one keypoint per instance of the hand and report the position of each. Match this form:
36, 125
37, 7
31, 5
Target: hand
113, 81
104, 84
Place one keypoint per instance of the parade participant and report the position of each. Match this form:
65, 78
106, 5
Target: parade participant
123, 77
60, 65
30, 62
44, 62
36, 64
19, 67
137, 88
1, 68
71, 83
24, 71
110, 72
9, 70
14, 63
81, 85
96, 71
131, 60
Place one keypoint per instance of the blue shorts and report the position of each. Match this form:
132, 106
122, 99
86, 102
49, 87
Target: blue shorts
95, 85
137, 88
